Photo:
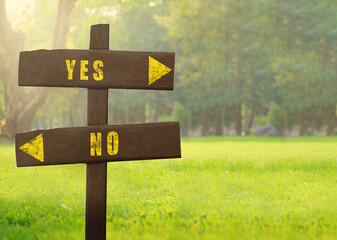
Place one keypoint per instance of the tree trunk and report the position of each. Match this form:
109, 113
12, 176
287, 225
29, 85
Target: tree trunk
249, 119
150, 115
331, 120
61, 27
189, 124
238, 119
219, 122
162, 104
263, 110
122, 116
20, 106
45, 122
302, 122
285, 125
82, 115
70, 116
205, 123
156, 114
142, 113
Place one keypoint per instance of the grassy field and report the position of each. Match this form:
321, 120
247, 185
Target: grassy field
222, 188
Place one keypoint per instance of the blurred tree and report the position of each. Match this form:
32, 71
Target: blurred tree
304, 38
235, 61
132, 27
221, 58
22, 105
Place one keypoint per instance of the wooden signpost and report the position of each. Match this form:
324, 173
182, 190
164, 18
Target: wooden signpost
95, 144
97, 69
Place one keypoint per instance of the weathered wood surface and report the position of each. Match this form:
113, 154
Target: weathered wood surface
73, 145
96, 187
101, 68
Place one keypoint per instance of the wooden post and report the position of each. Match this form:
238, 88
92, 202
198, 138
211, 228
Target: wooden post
122, 69
95, 215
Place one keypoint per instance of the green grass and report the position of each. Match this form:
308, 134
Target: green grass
222, 188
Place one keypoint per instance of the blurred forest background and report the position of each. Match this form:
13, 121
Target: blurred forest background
240, 64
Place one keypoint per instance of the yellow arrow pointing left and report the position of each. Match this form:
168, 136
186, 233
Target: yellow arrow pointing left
34, 148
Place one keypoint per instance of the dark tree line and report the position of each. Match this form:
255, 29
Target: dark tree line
239, 64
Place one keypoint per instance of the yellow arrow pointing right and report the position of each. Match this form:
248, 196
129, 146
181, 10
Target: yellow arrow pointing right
34, 148
156, 70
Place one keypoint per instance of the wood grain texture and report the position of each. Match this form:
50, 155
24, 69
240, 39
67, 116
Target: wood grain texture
72, 145
122, 69
98, 143
96, 187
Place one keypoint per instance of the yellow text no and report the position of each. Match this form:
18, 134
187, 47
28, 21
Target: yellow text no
96, 143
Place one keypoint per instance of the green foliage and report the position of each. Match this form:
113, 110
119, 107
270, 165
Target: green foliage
222, 188
228, 53
276, 116
255, 53
262, 121
180, 114
301, 81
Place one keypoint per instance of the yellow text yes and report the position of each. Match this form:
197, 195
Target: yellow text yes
96, 143
97, 67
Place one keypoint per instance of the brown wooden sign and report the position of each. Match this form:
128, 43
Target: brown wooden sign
97, 69
94, 144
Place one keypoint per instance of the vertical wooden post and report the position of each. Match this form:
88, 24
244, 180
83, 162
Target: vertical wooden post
95, 215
